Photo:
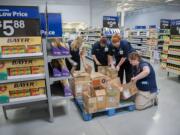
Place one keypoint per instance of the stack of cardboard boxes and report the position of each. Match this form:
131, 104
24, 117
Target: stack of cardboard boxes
100, 91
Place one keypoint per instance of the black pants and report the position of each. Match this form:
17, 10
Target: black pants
127, 67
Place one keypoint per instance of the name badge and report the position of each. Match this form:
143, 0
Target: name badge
106, 49
121, 52
144, 83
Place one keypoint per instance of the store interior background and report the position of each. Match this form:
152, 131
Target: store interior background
91, 13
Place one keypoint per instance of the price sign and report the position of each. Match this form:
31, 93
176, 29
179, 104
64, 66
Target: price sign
19, 21
175, 27
165, 24
110, 21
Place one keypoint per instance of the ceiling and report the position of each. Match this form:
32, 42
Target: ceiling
131, 5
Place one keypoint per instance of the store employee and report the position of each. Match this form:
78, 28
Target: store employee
145, 79
120, 49
100, 53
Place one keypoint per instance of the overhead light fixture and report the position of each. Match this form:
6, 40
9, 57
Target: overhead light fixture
126, 4
169, 0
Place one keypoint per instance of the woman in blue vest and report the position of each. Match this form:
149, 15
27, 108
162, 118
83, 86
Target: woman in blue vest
145, 79
120, 49
100, 53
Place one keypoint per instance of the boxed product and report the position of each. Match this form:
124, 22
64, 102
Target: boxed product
129, 90
4, 94
113, 97
37, 91
13, 49
88, 68
90, 105
103, 69
23, 63
99, 79
81, 76
19, 93
33, 48
3, 71
66, 87
25, 85
19, 71
37, 69
100, 94
79, 87
112, 73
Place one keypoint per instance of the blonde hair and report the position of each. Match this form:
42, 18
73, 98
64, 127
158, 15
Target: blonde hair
76, 44
56, 42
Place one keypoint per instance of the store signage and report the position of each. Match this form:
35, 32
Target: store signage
165, 24
17, 21
175, 27
54, 25
140, 27
110, 21
152, 26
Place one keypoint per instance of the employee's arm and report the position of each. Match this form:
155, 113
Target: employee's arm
110, 61
143, 74
121, 61
96, 60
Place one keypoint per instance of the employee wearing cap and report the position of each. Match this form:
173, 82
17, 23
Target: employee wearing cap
145, 79
120, 49
100, 53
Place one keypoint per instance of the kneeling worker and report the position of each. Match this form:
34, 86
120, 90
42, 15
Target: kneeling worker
100, 53
145, 79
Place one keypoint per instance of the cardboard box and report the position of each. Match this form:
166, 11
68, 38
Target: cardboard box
79, 87
115, 83
100, 94
129, 90
80, 76
103, 69
99, 79
88, 68
90, 104
4, 94
112, 73
113, 97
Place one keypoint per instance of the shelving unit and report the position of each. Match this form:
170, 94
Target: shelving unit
91, 36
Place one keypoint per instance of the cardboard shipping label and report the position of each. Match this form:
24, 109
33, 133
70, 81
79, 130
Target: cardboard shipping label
10, 41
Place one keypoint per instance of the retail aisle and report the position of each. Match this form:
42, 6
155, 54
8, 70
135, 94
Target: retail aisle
154, 121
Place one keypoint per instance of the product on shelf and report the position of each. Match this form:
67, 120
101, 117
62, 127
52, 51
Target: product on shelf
4, 94
64, 69
6, 50
19, 71
33, 48
23, 89
58, 48
3, 71
37, 69
67, 88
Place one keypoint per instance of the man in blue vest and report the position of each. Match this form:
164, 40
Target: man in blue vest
145, 79
100, 53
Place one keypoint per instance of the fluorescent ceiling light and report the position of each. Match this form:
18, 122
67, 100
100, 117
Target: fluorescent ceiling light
169, 0
126, 4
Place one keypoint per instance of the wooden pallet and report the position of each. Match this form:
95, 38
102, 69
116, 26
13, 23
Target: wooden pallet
124, 106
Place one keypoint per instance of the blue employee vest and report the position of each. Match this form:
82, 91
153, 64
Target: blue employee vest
149, 82
101, 53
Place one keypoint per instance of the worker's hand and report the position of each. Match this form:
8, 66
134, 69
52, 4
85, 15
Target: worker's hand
112, 66
134, 79
98, 63
117, 68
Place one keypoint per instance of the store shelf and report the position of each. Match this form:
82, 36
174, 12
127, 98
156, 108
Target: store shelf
175, 44
173, 71
23, 100
23, 78
21, 56
51, 57
173, 62
56, 98
174, 53
54, 79
164, 34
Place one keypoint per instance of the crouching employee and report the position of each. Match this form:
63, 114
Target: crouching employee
100, 53
145, 79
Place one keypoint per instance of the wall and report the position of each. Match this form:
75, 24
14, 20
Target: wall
99, 9
151, 16
72, 10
